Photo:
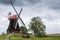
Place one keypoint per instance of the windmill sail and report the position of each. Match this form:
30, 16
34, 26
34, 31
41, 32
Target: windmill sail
17, 13
20, 18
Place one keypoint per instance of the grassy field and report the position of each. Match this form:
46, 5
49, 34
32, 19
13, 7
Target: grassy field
18, 37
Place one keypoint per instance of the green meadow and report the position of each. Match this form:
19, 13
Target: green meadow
19, 37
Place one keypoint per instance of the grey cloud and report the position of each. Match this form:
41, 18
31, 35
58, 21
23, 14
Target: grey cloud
21, 2
53, 4
6, 1
33, 1
26, 2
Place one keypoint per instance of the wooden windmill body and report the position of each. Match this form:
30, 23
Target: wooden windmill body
13, 25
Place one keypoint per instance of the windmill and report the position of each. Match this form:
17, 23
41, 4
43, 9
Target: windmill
14, 26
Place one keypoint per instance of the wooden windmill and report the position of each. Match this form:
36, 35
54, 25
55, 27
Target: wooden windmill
13, 25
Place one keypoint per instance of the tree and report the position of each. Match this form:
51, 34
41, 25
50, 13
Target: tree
37, 26
23, 30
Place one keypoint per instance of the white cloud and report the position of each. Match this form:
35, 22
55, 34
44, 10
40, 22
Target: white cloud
52, 26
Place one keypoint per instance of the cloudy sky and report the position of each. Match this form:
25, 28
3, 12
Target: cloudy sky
48, 10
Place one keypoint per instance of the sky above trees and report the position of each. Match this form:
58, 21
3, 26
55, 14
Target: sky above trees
48, 10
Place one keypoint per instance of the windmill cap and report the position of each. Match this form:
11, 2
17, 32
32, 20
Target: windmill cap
13, 17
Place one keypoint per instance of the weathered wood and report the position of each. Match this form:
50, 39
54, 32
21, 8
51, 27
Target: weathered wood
12, 26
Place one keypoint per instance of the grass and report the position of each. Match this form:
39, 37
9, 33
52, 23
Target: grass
18, 37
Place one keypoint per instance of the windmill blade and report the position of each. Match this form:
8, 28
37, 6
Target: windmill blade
22, 21
20, 11
20, 18
13, 7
